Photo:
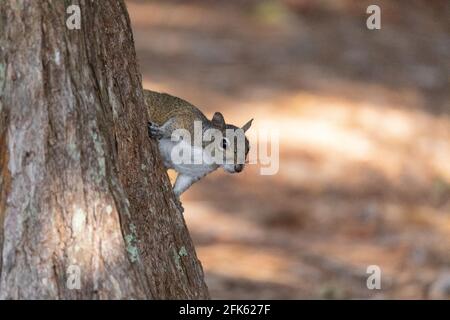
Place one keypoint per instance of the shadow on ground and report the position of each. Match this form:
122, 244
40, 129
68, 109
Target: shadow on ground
364, 128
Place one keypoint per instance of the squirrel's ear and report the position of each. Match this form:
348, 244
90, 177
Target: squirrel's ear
247, 126
218, 120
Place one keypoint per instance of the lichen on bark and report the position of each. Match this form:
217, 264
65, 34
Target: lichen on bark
81, 183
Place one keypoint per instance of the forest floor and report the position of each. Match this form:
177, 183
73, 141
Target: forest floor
364, 126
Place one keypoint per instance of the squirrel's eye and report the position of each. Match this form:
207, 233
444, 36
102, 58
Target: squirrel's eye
224, 143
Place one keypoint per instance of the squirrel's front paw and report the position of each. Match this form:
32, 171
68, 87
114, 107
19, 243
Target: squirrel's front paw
154, 131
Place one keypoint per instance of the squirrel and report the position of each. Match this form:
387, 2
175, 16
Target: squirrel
167, 114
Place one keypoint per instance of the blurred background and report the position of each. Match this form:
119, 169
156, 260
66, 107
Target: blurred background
364, 123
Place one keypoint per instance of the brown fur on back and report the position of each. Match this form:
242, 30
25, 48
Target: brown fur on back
162, 107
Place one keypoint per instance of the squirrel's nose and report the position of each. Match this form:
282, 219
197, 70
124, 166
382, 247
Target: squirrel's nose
238, 167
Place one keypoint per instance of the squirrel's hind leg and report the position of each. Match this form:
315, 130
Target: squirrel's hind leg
154, 131
159, 132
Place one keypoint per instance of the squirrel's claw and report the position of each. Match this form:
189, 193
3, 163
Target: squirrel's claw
154, 131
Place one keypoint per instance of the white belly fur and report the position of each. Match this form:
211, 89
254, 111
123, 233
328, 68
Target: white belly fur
194, 170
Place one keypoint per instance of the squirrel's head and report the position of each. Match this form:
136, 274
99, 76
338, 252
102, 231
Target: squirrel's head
234, 144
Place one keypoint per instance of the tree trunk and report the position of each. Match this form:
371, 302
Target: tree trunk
82, 188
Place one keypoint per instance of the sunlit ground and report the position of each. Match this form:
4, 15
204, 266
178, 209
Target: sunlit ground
364, 129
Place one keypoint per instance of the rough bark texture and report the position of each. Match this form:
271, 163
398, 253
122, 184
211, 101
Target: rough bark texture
81, 183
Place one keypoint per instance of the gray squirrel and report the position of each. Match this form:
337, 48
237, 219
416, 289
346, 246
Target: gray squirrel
168, 113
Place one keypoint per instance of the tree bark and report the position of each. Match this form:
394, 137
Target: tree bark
82, 187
